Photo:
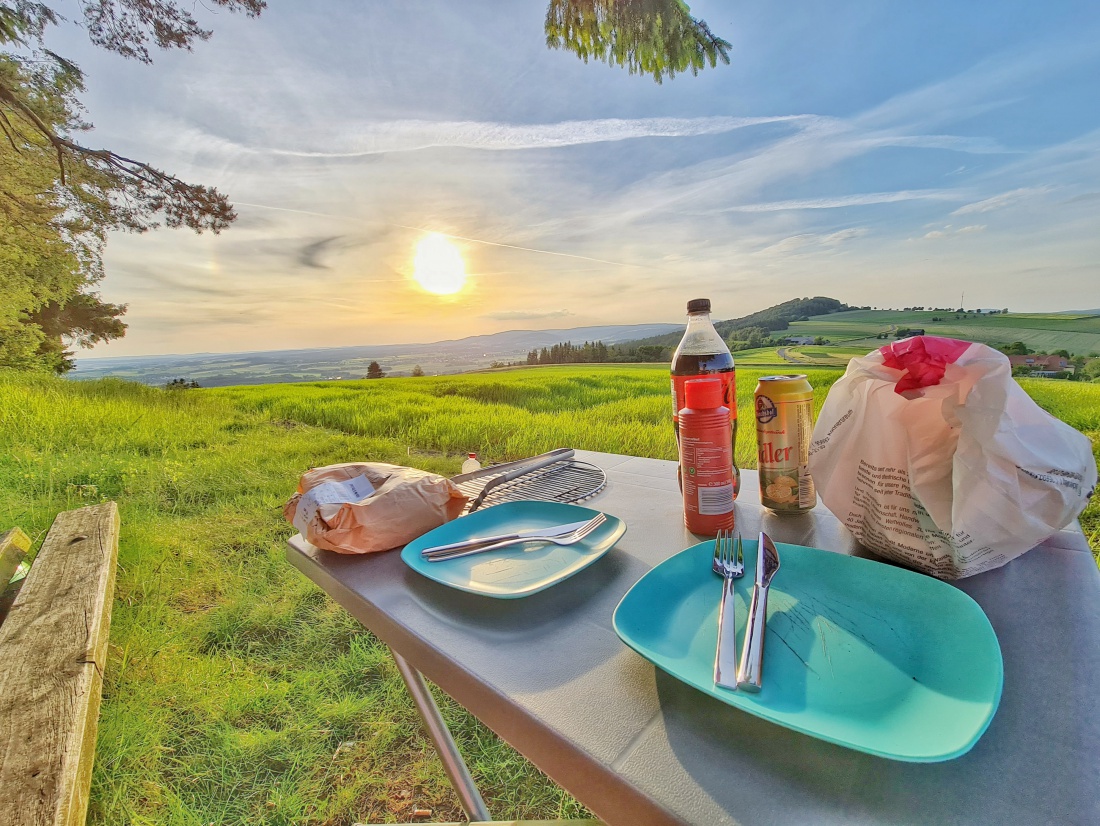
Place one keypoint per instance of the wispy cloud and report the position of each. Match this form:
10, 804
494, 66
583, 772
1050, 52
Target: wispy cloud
525, 315
838, 202
955, 143
1001, 201
310, 254
365, 138
808, 241
949, 230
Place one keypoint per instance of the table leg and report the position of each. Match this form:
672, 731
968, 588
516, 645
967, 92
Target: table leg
444, 743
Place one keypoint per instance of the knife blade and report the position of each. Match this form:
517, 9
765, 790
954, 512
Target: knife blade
469, 544
750, 672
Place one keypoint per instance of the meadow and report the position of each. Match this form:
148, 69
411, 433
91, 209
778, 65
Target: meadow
235, 691
1044, 333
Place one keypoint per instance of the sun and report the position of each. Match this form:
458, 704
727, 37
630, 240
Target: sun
438, 266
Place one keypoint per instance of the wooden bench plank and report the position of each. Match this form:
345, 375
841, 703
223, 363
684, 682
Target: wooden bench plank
53, 647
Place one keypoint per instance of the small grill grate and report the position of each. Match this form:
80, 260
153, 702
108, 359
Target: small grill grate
551, 477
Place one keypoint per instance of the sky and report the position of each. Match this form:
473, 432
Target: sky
884, 154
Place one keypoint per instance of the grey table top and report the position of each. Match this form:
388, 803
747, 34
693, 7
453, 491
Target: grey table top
638, 747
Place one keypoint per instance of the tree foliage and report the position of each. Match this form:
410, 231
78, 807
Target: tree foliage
659, 38
374, 371
567, 352
594, 352
59, 197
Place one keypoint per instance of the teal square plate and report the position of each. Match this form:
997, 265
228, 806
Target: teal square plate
859, 653
519, 570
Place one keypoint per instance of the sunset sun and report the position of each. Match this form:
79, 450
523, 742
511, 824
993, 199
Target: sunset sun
438, 265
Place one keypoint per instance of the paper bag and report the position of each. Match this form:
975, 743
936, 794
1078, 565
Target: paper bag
363, 507
933, 456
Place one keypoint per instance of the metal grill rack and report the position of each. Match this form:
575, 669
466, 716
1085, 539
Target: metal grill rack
552, 477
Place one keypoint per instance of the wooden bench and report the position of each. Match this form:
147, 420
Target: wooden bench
53, 648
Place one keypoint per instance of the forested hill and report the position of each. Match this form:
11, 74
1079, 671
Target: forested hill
774, 318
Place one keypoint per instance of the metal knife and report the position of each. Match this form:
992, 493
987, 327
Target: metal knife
553, 530
752, 653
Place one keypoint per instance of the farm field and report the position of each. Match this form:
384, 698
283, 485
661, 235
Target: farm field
235, 692
829, 355
759, 357
1042, 333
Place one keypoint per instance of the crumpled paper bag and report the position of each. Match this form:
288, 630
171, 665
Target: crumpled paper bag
934, 457
364, 507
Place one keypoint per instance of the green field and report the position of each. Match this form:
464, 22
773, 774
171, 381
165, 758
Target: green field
1043, 333
235, 692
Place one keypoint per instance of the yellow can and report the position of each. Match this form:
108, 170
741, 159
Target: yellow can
784, 424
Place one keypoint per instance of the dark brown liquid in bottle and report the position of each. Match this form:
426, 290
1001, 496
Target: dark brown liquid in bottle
707, 365
689, 365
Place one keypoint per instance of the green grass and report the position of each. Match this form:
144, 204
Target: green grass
831, 355
761, 356
1042, 333
235, 691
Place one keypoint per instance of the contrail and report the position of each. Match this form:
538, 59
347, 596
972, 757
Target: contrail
450, 235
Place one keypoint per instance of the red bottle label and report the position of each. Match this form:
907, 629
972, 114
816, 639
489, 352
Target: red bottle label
706, 464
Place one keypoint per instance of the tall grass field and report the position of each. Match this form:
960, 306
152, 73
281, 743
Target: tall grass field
235, 691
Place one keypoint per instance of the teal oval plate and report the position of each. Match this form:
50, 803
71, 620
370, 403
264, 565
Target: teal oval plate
520, 570
858, 653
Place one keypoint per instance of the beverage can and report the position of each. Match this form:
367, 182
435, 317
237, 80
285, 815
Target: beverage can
784, 424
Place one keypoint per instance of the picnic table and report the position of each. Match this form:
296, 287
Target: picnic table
638, 747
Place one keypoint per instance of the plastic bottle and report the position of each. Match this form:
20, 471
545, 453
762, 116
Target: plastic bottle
702, 352
706, 458
471, 464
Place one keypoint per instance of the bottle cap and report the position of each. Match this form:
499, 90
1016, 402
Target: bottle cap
699, 305
472, 455
703, 394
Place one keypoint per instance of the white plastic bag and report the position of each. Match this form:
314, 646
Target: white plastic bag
933, 456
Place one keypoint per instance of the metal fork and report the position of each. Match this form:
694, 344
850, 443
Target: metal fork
728, 555
729, 563
566, 539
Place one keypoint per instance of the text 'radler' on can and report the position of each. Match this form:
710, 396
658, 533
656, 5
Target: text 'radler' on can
784, 424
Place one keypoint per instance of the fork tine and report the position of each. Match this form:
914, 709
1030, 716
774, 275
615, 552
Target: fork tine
593, 523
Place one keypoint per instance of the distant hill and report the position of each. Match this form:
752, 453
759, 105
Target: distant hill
1077, 333
849, 329
269, 367
777, 317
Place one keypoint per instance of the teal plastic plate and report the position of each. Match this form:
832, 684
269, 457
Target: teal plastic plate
857, 652
520, 570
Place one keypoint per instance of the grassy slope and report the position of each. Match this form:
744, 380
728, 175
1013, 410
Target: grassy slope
231, 682
235, 692
1043, 333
